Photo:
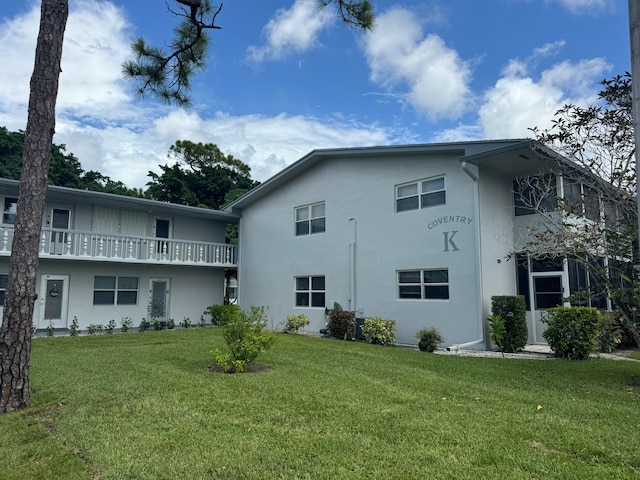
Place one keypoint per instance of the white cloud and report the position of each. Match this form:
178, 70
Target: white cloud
291, 31
400, 55
518, 102
585, 6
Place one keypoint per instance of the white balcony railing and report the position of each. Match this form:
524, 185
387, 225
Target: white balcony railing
80, 245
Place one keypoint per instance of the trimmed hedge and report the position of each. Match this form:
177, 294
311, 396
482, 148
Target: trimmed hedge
572, 331
513, 310
222, 315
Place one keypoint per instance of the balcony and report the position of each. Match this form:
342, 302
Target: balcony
93, 246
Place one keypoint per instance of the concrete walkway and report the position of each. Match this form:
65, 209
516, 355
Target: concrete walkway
532, 352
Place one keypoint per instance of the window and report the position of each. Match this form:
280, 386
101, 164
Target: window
9, 210
310, 219
310, 291
3, 288
424, 284
115, 290
421, 194
534, 194
580, 199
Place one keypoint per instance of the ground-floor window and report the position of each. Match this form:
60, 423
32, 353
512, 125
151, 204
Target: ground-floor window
110, 290
427, 284
310, 291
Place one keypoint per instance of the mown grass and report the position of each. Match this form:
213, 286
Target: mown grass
144, 406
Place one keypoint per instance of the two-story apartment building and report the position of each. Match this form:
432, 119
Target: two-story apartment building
105, 257
423, 234
418, 233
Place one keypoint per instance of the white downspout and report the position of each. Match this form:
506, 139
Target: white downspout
472, 171
352, 266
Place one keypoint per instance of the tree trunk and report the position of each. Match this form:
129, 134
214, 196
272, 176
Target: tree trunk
20, 295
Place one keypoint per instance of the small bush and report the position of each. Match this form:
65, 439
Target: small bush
610, 334
295, 323
159, 325
342, 324
50, 330
246, 339
381, 331
125, 324
171, 324
221, 315
143, 325
429, 339
497, 331
571, 331
185, 323
110, 327
513, 310
74, 329
95, 329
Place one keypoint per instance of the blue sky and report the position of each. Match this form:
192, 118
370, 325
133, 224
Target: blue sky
284, 78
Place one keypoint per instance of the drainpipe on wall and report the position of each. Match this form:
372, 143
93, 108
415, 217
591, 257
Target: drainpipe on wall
472, 171
352, 266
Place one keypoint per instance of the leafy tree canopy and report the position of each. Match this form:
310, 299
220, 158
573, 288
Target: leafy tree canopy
65, 169
201, 176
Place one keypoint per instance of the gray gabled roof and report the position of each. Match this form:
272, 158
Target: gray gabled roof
65, 194
469, 148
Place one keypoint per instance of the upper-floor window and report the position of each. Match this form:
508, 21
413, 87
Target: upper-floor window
3, 288
310, 219
115, 290
9, 210
581, 199
432, 284
420, 194
535, 194
310, 291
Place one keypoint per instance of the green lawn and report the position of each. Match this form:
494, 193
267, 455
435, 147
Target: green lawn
144, 406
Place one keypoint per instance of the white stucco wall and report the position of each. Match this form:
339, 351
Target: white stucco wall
364, 189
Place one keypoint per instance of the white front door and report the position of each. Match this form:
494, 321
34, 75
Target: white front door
159, 294
54, 297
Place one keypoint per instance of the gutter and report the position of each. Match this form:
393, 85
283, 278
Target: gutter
472, 172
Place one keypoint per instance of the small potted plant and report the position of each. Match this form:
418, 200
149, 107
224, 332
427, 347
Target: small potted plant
429, 339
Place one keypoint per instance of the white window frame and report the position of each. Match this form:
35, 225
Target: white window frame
7, 213
308, 215
4, 280
424, 284
117, 289
309, 291
420, 193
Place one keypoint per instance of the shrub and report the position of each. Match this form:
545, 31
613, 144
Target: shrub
295, 323
74, 329
610, 334
171, 324
125, 324
429, 339
159, 325
143, 325
221, 315
185, 323
246, 339
342, 324
111, 327
513, 310
381, 331
95, 329
497, 331
50, 330
571, 331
